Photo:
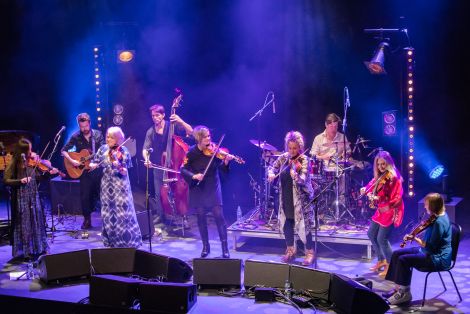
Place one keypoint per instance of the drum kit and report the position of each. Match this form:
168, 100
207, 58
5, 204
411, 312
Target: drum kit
338, 181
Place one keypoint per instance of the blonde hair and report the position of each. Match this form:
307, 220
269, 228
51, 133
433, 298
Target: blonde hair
435, 203
390, 164
296, 137
199, 132
116, 133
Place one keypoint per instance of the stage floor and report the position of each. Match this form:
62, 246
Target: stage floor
340, 258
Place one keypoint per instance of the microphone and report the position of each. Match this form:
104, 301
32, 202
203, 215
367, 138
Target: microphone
60, 131
346, 92
23, 156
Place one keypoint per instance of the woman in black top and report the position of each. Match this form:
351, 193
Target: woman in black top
205, 190
295, 194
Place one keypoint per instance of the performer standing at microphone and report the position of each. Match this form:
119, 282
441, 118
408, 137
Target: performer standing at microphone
29, 238
155, 143
294, 196
89, 139
205, 191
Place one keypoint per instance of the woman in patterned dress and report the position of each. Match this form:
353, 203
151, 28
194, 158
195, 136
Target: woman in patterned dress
120, 227
294, 198
29, 239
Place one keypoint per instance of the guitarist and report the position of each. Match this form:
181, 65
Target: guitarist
155, 140
89, 139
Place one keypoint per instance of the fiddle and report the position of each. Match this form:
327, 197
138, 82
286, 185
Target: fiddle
376, 187
421, 227
43, 165
221, 153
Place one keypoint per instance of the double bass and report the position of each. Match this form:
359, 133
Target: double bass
174, 193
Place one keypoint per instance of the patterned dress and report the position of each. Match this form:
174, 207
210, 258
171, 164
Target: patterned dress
302, 194
120, 227
28, 220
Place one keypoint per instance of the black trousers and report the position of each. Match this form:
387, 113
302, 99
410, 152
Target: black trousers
402, 263
90, 185
289, 234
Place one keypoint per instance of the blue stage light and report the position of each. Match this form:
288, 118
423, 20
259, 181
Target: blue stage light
436, 172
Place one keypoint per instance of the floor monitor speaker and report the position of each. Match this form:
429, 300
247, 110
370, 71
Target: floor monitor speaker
113, 260
64, 266
267, 274
213, 273
167, 297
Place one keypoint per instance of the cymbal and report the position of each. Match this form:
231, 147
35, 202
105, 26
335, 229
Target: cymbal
361, 141
263, 145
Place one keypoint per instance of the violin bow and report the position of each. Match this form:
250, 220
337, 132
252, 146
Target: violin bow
119, 146
212, 158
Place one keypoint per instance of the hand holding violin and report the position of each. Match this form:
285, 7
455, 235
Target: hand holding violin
25, 180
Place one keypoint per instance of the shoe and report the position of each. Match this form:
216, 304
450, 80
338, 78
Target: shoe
206, 249
225, 252
379, 265
86, 223
388, 294
289, 256
383, 273
308, 260
400, 298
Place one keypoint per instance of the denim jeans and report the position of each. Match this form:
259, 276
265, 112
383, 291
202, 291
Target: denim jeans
379, 235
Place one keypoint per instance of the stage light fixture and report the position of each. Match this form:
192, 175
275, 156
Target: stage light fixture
125, 56
376, 65
436, 172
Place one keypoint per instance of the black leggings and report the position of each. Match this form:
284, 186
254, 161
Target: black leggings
218, 213
289, 234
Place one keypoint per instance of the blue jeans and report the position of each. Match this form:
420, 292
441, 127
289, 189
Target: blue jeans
379, 235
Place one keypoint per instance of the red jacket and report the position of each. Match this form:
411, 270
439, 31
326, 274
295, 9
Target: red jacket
390, 195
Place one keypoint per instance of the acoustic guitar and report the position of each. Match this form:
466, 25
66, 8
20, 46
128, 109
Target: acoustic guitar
84, 157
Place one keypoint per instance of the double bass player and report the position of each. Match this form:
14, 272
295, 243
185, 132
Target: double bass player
156, 140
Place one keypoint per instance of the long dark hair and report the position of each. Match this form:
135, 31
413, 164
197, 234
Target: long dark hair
22, 147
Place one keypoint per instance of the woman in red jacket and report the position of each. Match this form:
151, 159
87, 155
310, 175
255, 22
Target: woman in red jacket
385, 192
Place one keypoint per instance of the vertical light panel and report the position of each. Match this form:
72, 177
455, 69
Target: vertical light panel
410, 88
97, 80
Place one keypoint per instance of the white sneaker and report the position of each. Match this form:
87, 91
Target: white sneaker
400, 297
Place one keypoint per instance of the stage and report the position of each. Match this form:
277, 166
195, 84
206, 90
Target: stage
342, 258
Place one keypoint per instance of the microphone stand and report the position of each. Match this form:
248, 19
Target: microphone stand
314, 201
147, 207
262, 161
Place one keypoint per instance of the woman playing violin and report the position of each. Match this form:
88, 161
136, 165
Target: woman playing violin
434, 251
28, 220
385, 192
120, 227
205, 191
295, 194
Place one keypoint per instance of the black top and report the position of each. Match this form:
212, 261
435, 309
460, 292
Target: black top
80, 142
208, 193
287, 193
158, 141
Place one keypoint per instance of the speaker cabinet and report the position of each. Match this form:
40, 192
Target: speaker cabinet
152, 265
143, 221
112, 290
349, 296
113, 260
167, 297
266, 274
65, 196
316, 281
64, 266
216, 273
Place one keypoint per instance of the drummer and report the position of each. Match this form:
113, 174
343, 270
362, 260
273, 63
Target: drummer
330, 143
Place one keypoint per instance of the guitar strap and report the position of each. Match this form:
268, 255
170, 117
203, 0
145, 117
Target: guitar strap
93, 142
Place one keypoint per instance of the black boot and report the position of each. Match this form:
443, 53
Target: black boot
225, 252
202, 224
222, 229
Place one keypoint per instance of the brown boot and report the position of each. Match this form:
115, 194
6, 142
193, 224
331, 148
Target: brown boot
289, 256
308, 260
383, 273
379, 265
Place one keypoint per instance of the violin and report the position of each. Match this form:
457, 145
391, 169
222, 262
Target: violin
43, 165
221, 153
295, 164
421, 227
377, 186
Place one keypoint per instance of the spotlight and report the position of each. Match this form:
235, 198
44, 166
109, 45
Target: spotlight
125, 56
377, 64
436, 172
